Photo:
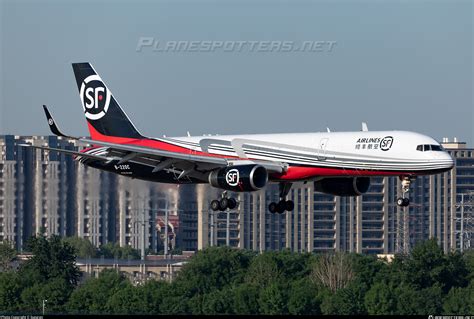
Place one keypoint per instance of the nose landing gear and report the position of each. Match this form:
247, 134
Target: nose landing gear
404, 201
283, 205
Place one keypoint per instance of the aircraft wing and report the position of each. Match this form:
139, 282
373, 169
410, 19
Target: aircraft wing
61, 150
159, 159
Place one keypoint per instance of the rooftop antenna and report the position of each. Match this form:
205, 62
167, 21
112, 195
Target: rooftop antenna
189, 135
329, 131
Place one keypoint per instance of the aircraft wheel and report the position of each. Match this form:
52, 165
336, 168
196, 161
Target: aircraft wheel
224, 204
232, 203
281, 206
289, 205
406, 202
400, 201
272, 207
215, 205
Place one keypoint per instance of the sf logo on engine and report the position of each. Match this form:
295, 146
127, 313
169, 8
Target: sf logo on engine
232, 177
386, 143
95, 97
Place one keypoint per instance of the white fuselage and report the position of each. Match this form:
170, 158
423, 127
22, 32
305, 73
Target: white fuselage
379, 152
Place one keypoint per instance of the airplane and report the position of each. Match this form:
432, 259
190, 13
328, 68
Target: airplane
338, 163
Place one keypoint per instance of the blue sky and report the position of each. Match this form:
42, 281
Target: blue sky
396, 64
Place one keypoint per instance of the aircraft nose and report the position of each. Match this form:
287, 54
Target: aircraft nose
448, 161
451, 160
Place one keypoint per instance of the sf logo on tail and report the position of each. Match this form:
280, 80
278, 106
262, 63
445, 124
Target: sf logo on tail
95, 97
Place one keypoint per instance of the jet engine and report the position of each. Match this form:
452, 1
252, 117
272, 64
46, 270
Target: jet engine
344, 186
240, 178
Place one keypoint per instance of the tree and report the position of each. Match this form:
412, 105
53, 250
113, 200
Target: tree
459, 301
92, 296
113, 250
82, 246
333, 271
52, 259
32, 298
126, 300
366, 268
303, 298
175, 305
381, 299
246, 299
7, 255
428, 265
218, 302
153, 293
346, 301
212, 268
272, 300
469, 261
10, 291
294, 265
263, 270
411, 301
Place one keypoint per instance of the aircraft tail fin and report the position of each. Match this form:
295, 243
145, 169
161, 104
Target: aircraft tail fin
105, 118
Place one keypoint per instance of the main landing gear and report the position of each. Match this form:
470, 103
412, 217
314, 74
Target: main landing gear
224, 203
404, 201
283, 205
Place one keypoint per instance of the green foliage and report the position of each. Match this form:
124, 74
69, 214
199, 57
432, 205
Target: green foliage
381, 299
7, 255
52, 259
153, 293
10, 291
218, 302
221, 280
428, 265
469, 261
303, 298
246, 299
412, 301
367, 268
175, 305
346, 301
459, 301
263, 270
93, 295
272, 300
83, 247
127, 300
212, 269
113, 250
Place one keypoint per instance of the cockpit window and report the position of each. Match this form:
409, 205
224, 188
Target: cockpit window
429, 147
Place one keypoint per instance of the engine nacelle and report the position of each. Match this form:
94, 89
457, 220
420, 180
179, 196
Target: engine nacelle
240, 178
344, 186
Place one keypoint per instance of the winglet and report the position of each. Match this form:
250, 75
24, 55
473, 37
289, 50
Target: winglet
52, 125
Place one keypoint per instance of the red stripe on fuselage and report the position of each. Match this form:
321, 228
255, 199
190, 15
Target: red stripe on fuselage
301, 173
151, 143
